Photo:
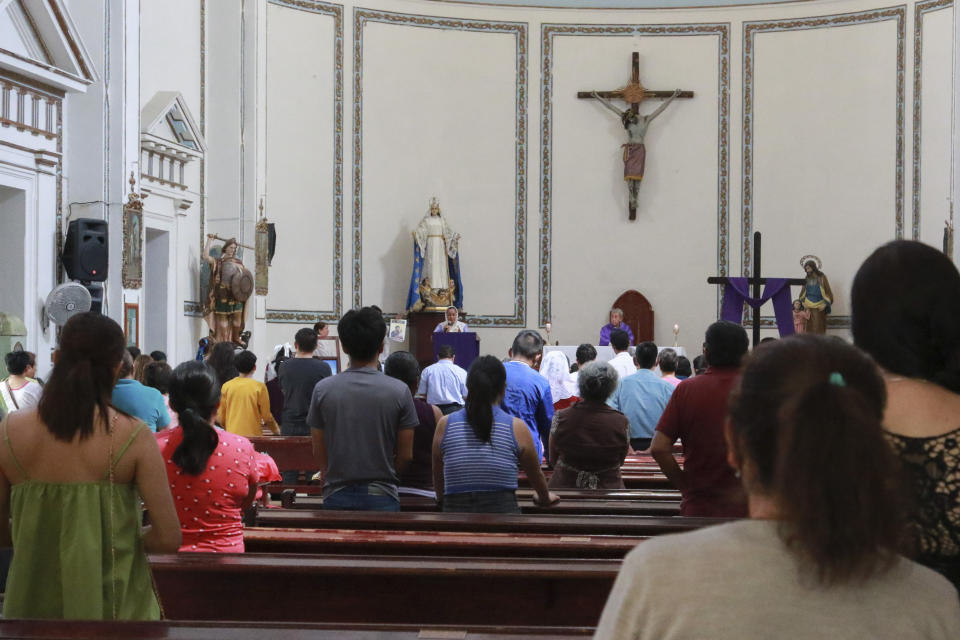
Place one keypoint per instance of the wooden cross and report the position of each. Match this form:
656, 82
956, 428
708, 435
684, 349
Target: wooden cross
755, 280
633, 94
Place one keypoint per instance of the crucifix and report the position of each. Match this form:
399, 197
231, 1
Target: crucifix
755, 281
634, 152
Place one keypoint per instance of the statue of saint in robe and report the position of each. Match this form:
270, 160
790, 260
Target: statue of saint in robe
435, 281
816, 295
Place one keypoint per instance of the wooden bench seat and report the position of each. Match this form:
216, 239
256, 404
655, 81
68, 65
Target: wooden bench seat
576, 525
432, 543
386, 589
217, 630
582, 506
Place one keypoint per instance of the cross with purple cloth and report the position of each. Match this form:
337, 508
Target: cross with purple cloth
736, 293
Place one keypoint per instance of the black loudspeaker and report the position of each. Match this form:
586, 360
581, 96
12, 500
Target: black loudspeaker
85, 250
96, 297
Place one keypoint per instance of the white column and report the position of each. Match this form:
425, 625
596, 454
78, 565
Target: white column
955, 160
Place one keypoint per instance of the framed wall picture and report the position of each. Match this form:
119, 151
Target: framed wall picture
132, 247
131, 323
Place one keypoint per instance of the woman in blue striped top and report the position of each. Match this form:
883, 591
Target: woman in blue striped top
476, 450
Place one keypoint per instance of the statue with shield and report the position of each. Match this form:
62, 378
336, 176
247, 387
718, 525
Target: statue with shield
227, 285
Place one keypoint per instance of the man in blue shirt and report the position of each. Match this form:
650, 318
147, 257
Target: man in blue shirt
443, 383
528, 394
642, 397
137, 400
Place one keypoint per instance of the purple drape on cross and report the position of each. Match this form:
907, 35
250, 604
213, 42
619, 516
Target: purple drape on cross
737, 292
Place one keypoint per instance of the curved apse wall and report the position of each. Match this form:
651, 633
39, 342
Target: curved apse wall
826, 125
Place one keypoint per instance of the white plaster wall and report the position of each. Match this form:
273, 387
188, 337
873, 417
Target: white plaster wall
299, 157
439, 119
170, 50
824, 148
936, 104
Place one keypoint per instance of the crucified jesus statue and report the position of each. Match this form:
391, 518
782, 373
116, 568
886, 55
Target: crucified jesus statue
634, 152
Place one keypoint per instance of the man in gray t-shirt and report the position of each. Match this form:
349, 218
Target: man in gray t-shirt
362, 422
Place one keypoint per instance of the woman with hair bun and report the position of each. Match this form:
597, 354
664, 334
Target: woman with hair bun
476, 450
213, 473
73, 472
906, 305
589, 441
818, 556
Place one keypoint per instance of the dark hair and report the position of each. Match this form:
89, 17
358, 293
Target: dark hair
134, 352
813, 267
726, 344
91, 347
126, 364
446, 351
699, 364
18, 361
486, 380
905, 303
194, 394
586, 353
221, 361
319, 326
527, 344
305, 340
245, 361
645, 353
139, 364
404, 367
767, 339
806, 419
361, 332
158, 356
619, 340
597, 381
157, 375
683, 367
668, 360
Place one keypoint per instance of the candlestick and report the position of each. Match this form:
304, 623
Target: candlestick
676, 333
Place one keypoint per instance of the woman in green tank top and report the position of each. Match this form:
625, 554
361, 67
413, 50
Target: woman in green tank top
73, 472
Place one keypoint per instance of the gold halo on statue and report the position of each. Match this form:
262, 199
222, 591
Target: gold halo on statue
804, 260
634, 92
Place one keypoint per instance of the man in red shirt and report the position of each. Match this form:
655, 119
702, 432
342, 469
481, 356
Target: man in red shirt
696, 414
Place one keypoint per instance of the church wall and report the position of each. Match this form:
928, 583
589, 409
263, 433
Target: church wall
802, 128
170, 60
932, 116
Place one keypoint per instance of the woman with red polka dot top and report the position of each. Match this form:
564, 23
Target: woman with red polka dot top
213, 474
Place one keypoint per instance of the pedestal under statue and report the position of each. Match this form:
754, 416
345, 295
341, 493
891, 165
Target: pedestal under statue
435, 281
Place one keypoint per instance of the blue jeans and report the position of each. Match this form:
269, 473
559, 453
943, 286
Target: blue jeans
482, 502
361, 497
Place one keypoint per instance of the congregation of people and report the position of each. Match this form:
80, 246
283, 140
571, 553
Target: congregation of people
835, 466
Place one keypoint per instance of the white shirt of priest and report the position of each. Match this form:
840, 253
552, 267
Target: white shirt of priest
622, 363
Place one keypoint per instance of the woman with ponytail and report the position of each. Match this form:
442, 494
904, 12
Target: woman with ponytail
212, 473
906, 314
73, 473
476, 450
818, 556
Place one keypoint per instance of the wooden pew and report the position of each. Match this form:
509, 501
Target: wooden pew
432, 543
295, 452
199, 630
387, 589
572, 525
582, 506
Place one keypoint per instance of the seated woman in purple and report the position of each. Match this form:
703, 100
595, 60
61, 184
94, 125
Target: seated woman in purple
616, 322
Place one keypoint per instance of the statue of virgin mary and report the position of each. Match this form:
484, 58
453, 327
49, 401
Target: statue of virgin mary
435, 281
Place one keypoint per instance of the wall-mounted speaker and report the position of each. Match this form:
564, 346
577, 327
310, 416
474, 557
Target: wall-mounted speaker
85, 250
